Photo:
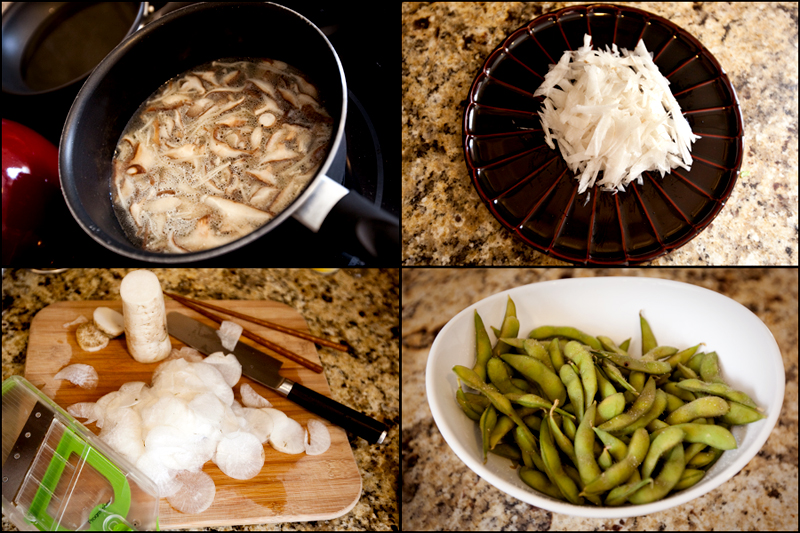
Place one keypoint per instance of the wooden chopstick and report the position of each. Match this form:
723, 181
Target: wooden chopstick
265, 323
259, 339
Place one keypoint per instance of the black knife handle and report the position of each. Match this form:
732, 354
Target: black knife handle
351, 420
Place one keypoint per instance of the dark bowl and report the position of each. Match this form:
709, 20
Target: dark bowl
529, 188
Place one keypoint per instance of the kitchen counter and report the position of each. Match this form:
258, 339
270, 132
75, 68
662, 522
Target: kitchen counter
441, 492
359, 307
444, 46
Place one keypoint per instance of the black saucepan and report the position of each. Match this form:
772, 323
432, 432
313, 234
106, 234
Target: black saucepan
177, 42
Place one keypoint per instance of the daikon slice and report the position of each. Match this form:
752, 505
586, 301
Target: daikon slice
320, 438
612, 111
196, 492
84, 376
250, 398
229, 333
240, 455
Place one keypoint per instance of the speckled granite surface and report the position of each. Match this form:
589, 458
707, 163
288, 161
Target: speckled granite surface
440, 492
444, 46
360, 307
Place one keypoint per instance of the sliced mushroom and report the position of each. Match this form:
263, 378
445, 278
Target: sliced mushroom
199, 107
236, 214
143, 157
171, 102
263, 197
125, 189
264, 86
232, 121
269, 105
289, 96
162, 204
255, 138
193, 83
265, 176
202, 237
208, 76
230, 76
187, 150
307, 88
266, 120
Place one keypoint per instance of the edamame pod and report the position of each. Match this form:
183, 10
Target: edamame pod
620, 472
717, 389
544, 332
535, 370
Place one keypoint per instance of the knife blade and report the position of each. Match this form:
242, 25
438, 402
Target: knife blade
265, 369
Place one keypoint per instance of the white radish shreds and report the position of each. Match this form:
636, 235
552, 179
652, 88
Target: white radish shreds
84, 376
614, 113
229, 333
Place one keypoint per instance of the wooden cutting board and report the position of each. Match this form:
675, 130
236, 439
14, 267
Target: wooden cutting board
289, 488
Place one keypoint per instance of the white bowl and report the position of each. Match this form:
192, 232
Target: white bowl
680, 315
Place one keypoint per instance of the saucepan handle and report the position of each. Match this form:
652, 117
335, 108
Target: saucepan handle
347, 216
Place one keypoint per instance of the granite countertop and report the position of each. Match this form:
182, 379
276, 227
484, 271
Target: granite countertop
441, 492
444, 46
357, 306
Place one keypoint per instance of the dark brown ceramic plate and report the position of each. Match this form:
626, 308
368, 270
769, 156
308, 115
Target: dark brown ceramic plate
529, 188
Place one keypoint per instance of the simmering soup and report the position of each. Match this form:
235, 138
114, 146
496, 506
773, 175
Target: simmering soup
216, 152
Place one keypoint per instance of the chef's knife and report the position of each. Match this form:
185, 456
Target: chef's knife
264, 369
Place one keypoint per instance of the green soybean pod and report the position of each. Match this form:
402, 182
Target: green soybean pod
500, 402
625, 345
659, 404
483, 347
543, 332
631, 363
536, 371
663, 443
706, 407
555, 354
555, 471
619, 495
578, 354
714, 436
648, 339
689, 478
717, 389
498, 374
615, 446
670, 474
610, 407
539, 481
488, 421
741, 414
574, 387
637, 410
584, 447
465, 406
620, 472
709, 368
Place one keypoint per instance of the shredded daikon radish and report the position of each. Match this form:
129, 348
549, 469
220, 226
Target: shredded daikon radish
613, 113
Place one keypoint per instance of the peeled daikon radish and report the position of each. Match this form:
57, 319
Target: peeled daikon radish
145, 317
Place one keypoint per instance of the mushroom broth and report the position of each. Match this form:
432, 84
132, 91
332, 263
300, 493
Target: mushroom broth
216, 152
